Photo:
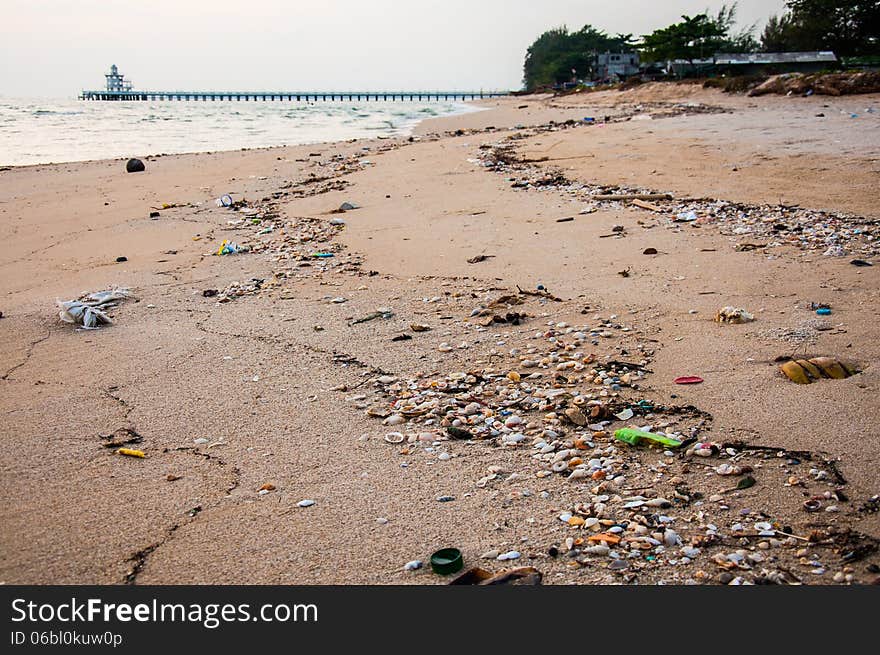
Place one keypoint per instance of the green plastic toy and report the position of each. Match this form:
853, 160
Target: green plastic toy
634, 437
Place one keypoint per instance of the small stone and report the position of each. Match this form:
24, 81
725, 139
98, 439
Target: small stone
414, 565
490, 554
306, 503
445, 499
134, 166
510, 555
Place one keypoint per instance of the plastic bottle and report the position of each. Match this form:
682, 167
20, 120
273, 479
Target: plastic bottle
635, 437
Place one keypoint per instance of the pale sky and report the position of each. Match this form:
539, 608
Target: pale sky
55, 48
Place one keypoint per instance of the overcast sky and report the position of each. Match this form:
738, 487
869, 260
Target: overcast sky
55, 48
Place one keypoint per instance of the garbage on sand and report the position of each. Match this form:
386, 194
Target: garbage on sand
134, 166
446, 561
131, 453
229, 248
224, 201
806, 371
635, 437
89, 311
688, 379
733, 315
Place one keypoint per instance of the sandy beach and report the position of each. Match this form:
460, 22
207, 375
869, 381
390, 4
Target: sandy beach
292, 375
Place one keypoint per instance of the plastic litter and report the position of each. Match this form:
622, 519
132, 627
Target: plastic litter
224, 201
131, 453
446, 561
229, 248
688, 379
89, 311
635, 437
806, 371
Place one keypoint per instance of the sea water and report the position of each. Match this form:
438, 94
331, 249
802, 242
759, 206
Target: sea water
42, 131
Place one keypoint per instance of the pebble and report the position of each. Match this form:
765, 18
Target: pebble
414, 565
510, 555
490, 554
445, 499
306, 503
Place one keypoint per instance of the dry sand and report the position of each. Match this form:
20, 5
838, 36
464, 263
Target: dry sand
256, 378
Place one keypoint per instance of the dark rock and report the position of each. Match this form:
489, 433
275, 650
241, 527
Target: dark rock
210, 293
135, 166
119, 260
154, 214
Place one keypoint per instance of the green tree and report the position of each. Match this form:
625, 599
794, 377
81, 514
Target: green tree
699, 37
556, 53
847, 27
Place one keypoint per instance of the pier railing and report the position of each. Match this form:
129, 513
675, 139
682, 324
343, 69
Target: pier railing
290, 96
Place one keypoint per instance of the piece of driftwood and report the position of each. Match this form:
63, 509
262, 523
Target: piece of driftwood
633, 196
646, 205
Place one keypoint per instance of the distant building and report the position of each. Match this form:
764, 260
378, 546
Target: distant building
616, 65
116, 81
748, 63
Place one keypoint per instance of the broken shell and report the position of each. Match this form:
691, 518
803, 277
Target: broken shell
559, 466
813, 505
394, 437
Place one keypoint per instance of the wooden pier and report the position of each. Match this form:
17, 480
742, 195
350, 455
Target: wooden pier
289, 96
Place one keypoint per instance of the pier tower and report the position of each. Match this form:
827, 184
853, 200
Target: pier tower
116, 81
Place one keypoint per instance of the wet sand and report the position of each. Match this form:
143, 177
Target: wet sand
266, 388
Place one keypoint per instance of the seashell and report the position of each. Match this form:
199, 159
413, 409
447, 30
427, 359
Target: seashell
569, 543
559, 466
576, 521
394, 437
574, 462
306, 503
578, 474
600, 549
394, 419
387, 379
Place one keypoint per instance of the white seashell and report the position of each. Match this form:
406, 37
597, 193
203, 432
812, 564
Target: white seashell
394, 437
394, 419
306, 503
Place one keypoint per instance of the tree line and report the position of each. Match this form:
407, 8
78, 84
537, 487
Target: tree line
846, 27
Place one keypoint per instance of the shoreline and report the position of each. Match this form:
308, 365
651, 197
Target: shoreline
406, 129
280, 384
